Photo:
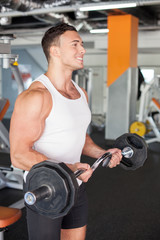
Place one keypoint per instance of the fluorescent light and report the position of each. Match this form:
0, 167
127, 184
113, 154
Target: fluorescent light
103, 30
107, 6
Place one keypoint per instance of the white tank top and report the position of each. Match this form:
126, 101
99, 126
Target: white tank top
65, 128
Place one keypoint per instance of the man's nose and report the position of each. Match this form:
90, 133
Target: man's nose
83, 50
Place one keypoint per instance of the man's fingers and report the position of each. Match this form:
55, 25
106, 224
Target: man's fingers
115, 160
86, 175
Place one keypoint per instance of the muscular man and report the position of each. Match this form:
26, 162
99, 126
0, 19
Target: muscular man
50, 121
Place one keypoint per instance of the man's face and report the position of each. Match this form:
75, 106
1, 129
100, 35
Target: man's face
71, 50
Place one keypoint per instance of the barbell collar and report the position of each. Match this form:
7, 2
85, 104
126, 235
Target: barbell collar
127, 152
43, 192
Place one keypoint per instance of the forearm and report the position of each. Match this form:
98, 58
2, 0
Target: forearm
26, 159
91, 149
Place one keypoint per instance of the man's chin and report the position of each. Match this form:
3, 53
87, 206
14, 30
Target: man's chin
80, 67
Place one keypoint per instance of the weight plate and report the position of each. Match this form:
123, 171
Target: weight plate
138, 128
61, 180
139, 148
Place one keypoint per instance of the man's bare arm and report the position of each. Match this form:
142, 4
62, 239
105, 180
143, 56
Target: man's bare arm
27, 124
93, 150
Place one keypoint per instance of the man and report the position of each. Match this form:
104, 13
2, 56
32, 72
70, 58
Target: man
50, 121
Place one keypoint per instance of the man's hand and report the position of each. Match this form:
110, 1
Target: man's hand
84, 177
116, 157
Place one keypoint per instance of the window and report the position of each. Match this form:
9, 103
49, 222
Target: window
148, 74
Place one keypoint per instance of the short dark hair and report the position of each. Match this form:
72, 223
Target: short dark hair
52, 35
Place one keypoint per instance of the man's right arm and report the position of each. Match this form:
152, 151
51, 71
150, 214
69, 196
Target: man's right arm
27, 125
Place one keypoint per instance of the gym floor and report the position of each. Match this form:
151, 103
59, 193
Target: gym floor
123, 205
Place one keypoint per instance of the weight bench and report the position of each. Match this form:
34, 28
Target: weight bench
8, 216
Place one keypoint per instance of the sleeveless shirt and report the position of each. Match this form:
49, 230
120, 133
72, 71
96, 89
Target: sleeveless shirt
65, 128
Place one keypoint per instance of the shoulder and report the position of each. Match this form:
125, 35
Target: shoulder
32, 95
34, 100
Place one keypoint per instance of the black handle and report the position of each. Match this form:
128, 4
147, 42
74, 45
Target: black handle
40, 193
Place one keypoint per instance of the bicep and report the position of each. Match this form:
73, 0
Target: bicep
26, 126
25, 129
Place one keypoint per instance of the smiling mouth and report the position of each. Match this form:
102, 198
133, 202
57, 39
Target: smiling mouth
80, 59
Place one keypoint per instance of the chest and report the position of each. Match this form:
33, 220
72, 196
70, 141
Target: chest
73, 94
69, 114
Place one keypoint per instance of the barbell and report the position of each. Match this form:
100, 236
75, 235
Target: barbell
51, 188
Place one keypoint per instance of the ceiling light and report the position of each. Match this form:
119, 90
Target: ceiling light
107, 6
103, 30
80, 14
5, 21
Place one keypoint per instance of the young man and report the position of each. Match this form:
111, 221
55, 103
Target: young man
50, 121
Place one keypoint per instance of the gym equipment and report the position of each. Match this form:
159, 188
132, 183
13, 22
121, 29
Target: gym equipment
138, 127
139, 147
5, 50
4, 135
155, 104
10, 60
8, 216
148, 103
53, 182
84, 79
17, 76
51, 188
9, 176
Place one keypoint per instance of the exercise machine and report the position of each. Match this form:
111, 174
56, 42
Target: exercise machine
84, 79
9, 176
145, 125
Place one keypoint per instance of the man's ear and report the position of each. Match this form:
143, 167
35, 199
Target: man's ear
54, 51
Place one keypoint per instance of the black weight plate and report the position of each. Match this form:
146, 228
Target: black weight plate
72, 185
57, 202
63, 183
139, 147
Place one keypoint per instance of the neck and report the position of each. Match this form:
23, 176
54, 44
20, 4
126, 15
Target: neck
60, 78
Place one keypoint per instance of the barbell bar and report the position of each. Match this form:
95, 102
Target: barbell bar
127, 152
45, 191
51, 188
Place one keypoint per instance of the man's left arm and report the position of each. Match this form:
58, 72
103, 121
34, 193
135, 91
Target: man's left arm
93, 150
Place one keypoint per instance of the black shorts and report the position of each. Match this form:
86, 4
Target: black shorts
40, 227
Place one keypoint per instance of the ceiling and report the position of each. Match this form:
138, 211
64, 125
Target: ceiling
30, 15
